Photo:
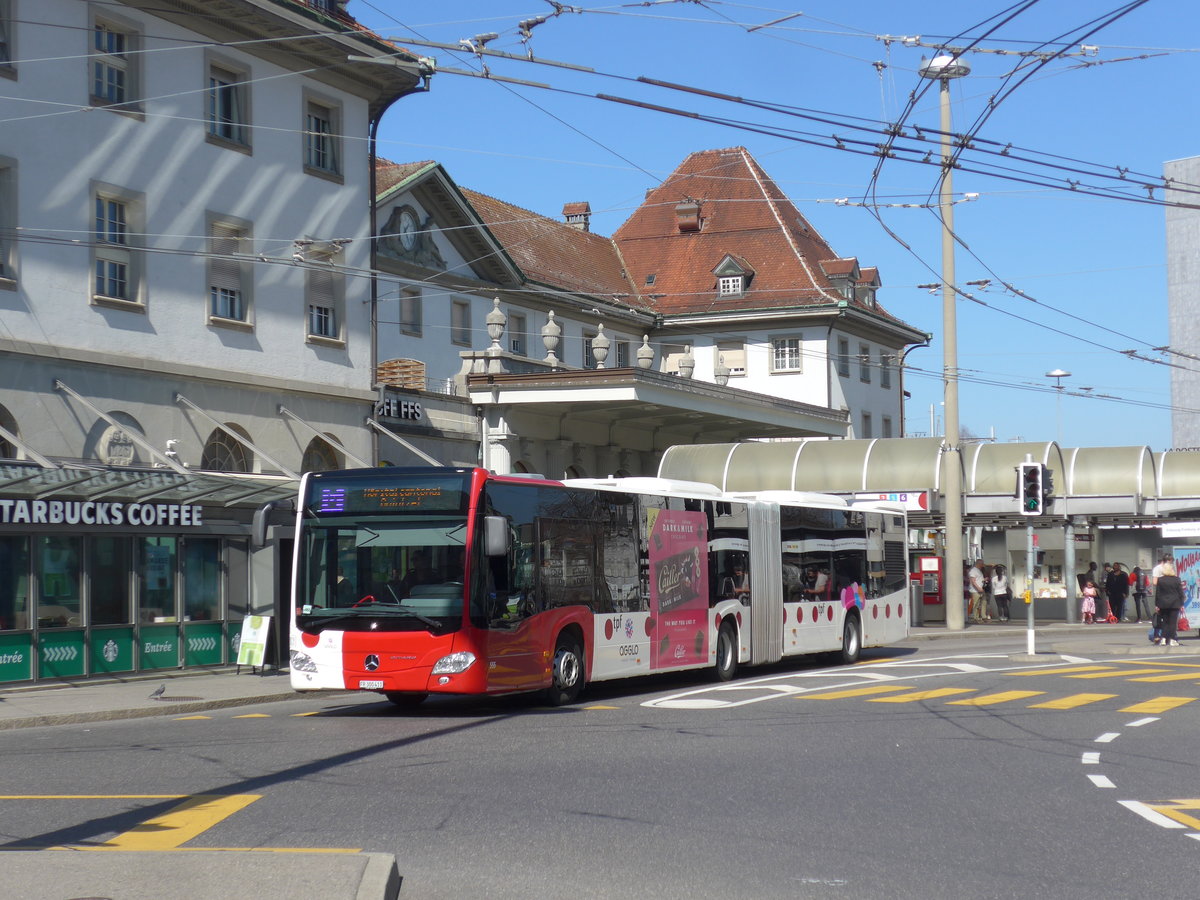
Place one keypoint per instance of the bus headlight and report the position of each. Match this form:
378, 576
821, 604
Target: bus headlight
302, 662
454, 663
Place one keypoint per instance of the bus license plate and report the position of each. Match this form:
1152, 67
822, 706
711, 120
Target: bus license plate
370, 685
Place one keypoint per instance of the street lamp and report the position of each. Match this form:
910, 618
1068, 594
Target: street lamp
943, 68
1058, 375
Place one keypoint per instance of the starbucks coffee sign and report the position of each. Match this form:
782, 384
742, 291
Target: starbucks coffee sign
100, 512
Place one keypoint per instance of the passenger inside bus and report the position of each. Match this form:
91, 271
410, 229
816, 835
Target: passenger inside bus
737, 584
419, 572
817, 585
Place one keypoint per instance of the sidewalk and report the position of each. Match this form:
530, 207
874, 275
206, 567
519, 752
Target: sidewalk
362, 876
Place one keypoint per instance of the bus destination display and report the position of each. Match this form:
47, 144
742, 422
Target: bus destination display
408, 496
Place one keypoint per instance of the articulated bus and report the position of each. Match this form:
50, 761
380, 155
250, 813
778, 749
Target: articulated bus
411, 582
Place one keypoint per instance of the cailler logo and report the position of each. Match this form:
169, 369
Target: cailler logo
371, 663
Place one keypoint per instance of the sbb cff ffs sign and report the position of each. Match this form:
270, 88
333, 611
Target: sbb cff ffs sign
1034, 488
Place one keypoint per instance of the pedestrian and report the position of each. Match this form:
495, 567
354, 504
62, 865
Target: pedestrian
1168, 600
975, 585
1117, 588
1001, 592
1087, 606
1157, 570
1103, 610
1139, 583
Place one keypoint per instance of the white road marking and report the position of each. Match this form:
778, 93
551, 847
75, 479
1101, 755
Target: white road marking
1138, 723
1151, 815
1101, 781
1091, 759
1108, 737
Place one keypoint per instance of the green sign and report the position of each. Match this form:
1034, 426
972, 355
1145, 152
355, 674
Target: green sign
61, 654
158, 647
16, 657
112, 650
202, 644
253, 647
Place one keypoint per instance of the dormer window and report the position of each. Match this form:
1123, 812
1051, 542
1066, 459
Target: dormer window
731, 285
733, 276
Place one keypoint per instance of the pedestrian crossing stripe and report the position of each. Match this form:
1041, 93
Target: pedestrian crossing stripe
1066, 670
1158, 705
857, 692
993, 699
922, 695
1119, 673
1072, 702
1176, 676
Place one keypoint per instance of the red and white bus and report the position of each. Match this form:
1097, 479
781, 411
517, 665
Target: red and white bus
412, 582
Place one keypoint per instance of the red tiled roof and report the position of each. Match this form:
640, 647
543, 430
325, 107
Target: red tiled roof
552, 252
389, 174
743, 213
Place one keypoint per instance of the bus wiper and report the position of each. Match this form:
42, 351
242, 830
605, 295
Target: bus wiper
387, 611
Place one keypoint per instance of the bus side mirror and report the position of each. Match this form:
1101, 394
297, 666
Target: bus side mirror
495, 536
262, 520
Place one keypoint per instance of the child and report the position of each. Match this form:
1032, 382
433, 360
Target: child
1088, 605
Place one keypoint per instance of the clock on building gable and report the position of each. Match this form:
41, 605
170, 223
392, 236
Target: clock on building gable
406, 236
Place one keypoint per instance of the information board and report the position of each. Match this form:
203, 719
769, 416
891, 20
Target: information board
253, 647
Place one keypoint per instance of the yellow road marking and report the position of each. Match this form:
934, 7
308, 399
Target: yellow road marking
1065, 670
1176, 676
1158, 705
993, 699
253, 716
1176, 811
857, 692
1072, 702
602, 707
191, 718
1120, 673
922, 695
301, 715
192, 817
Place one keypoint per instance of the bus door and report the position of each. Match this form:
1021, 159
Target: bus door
766, 585
515, 640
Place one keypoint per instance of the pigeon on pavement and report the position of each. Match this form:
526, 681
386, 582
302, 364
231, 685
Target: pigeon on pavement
159, 691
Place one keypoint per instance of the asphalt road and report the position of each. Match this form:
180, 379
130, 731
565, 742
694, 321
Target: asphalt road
945, 770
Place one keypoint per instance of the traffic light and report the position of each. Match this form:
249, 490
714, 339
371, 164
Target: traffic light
1032, 498
1047, 485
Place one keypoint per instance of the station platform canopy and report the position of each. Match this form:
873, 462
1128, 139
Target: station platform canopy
1097, 485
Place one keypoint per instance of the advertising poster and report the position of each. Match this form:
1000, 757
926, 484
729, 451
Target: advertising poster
253, 647
1187, 567
678, 560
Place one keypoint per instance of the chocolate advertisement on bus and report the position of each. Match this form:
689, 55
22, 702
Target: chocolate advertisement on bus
678, 561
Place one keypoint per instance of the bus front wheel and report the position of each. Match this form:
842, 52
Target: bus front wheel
567, 672
727, 657
851, 640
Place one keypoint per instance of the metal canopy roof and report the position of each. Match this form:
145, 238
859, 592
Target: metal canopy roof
677, 409
1123, 485
229, 490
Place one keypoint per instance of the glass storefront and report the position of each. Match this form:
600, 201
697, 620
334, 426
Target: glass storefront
139, 577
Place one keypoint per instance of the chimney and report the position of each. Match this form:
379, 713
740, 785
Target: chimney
578, 215
687, 215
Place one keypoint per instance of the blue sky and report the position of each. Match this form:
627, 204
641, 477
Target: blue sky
1090, 270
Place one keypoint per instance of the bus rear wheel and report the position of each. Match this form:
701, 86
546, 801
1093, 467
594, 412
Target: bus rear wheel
567, 672
406, 701
851, 640
727, 658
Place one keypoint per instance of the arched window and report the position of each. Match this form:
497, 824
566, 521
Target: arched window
320, 456
224, 453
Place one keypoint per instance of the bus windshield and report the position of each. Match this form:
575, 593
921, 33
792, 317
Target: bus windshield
384, 573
